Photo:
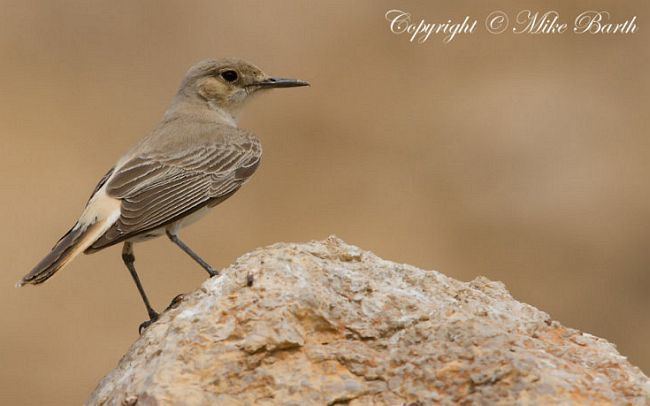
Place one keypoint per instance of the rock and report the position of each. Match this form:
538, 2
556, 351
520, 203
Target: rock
327, 323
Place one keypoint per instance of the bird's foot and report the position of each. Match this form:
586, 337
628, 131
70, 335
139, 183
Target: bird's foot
143, 326
211, 271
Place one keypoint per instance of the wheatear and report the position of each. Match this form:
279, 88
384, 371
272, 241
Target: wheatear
192, 161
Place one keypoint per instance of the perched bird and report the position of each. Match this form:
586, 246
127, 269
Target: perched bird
193, 160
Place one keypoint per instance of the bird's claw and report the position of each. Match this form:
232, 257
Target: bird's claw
144, 325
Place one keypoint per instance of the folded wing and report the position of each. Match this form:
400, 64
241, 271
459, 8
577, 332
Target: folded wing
156, 190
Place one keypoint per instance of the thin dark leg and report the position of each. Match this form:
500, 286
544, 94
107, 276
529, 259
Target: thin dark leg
129, 260
192, 254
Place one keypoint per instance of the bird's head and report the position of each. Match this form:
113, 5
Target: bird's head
226, 84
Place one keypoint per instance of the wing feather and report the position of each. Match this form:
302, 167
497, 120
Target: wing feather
157, 189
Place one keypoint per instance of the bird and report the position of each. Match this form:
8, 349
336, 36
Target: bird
194, 159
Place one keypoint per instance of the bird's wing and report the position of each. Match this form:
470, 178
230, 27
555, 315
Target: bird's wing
156, 190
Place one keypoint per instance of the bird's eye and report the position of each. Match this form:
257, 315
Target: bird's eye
229, 75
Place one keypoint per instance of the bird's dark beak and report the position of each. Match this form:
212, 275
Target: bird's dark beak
279, 82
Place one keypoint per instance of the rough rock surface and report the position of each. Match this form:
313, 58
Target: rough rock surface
327, 323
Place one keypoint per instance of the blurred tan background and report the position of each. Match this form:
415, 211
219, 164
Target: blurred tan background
521, 158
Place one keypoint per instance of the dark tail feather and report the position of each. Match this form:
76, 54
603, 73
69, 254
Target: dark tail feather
61, 254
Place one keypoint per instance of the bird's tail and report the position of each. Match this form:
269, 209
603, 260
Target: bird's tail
74, 242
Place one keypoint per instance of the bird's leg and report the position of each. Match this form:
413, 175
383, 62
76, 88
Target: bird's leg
129, 260
191, 253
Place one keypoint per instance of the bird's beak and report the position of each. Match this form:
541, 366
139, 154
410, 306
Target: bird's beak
279, 82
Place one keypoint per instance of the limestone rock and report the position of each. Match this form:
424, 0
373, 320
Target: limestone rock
328, 323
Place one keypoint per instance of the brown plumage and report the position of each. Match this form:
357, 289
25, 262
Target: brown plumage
193, 160
157, 188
